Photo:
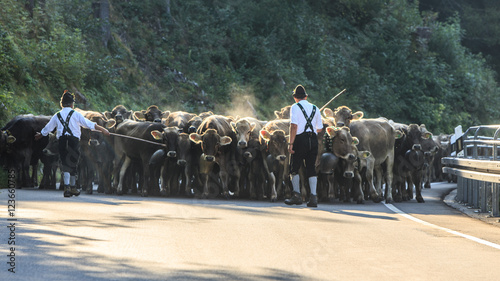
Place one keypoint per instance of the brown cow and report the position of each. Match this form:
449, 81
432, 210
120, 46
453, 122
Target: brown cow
119, 113
284, 113
409, 161
96, 154
350, 162
343, 115
179, 119
217, 141
249, 151
167, 162
275, 137
152, 114
378, 137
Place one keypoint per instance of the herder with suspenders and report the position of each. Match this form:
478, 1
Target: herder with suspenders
68, 122
305, 123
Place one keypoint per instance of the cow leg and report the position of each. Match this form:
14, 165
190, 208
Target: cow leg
331, 188
376, 197
123, 170
417, 180
357, 184
272, 184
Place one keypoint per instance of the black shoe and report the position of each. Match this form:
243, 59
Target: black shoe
295, 200
74, 191
313, 201
67, 192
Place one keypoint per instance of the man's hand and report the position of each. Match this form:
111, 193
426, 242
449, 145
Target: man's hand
38, 136
290, 149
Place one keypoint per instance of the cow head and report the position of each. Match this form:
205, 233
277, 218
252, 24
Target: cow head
343, 143
252, 150
193, 124
119, 113
52, 147
284, 113
243, 129
350, 165
416, 135
343, 115
169, 137
184, 149
210, 142
277, 143
5, 140
152, 114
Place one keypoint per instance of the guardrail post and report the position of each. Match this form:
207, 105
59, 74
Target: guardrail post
459, 190
469, 192
483, 190
495, 208
475, 194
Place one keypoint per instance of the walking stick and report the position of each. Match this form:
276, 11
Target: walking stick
341, 92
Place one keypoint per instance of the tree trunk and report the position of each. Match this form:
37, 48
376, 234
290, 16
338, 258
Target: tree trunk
106, 25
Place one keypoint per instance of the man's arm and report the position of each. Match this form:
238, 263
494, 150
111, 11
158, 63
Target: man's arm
293, 133
102, 129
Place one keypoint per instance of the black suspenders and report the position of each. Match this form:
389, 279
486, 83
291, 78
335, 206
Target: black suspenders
308, 119
66, 124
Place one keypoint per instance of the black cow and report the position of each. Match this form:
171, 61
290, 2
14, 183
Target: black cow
20, 148
128, 150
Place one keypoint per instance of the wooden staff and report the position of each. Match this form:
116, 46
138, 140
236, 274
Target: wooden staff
341, 92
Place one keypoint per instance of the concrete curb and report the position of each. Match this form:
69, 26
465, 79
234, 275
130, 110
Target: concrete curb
450, 200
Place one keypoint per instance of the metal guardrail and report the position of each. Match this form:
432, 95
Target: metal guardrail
477, 168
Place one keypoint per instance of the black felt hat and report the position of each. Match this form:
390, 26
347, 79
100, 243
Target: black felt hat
67, 98
299, 92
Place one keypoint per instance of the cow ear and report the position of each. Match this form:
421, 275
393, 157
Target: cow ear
330, 131
265, 135
107, 114
328, 112
364, 154
11, 139
399, 134
225, 140
355, 140
165, 114
194, 137
427, 135
139, 115
157, 135
110, 124
252, 126
357, 115
277, 114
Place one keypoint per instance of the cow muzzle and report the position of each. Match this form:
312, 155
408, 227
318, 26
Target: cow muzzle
416, 147
181, 163
247, 155
209, 158
349, 175
281, 158
172, 154
192, 129
242, 144
93, 142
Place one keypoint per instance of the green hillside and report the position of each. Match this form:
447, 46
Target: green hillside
234, 57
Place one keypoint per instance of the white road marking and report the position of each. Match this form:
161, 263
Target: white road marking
475, 239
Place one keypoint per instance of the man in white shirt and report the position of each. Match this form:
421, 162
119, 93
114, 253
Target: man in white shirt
305, 123
68, 123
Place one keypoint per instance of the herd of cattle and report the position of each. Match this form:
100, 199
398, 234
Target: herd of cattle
166, 153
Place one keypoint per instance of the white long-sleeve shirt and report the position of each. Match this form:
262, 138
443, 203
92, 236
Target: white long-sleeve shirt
76, 121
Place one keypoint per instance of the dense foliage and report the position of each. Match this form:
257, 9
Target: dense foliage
394, 60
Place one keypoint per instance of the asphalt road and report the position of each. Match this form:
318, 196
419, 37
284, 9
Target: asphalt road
103, 237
